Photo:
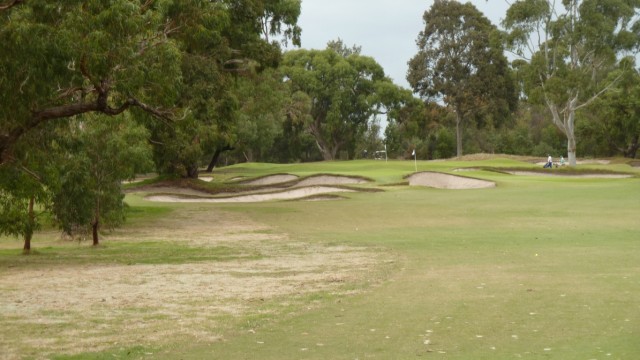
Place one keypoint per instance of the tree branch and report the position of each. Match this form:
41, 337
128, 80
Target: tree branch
99, 105
594, 97
10, 4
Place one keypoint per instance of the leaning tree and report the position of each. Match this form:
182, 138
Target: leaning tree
569, 49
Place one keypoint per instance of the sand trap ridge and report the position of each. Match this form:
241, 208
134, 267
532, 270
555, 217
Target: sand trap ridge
284, 187
271, 179
283, 195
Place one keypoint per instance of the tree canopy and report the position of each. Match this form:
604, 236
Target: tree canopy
461, 62
569, 49
344, 88
169, 63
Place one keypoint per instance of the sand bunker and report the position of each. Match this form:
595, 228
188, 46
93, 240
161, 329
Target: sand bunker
446, 181
272, 179
330, 180
283, 195
592, 176
308, 187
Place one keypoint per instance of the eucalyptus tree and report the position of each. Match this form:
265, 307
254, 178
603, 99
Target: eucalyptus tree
65, 58
461, 62
569, 48
221, 44
343, 88
20, 191
263, 101
96, 154
617, 114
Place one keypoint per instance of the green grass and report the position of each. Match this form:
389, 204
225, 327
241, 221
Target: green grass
121, 253
536, 268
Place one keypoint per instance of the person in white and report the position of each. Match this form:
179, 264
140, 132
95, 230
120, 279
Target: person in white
549, 163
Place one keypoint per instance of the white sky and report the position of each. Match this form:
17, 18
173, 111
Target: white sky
385, 29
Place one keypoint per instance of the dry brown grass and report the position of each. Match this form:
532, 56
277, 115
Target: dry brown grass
84, 307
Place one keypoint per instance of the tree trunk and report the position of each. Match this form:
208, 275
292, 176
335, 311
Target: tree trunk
632, 149
327, 154
216, 157
28, 233
94, 231
570, 121
192, 171
566, 125
95, 226
571, 151
458, 134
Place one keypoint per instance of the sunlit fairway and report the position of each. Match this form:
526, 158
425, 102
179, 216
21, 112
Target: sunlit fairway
535, 268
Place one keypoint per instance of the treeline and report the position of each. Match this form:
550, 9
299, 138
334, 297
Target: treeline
97, 91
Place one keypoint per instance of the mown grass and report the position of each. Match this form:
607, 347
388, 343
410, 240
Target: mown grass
537, 268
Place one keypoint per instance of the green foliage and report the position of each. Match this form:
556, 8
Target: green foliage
445, 143
98, 154
14, 205
613, 122
261, 114
343, 89
460, 61
569, 51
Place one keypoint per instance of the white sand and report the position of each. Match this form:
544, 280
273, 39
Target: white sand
329, 180
446, 181
272, 179
551, 173
283, 195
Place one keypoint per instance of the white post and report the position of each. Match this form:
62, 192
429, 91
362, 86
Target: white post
415, 161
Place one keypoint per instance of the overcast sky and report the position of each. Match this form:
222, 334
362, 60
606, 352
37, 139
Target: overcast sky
385, 29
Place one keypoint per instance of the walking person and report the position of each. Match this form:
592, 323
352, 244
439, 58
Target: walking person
549, 163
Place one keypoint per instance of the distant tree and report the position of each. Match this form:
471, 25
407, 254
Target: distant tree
262, 100
343, 49
416, 125
295, 143
461, 62
617, 114
342, 86
569, 49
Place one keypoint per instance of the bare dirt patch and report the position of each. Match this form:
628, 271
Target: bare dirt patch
447, 181
84, 307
